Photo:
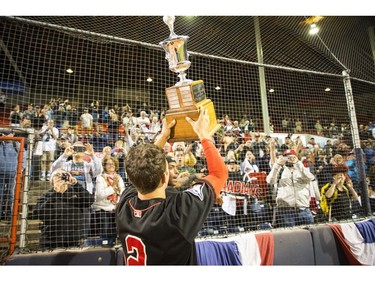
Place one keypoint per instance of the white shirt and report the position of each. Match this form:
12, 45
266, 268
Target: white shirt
49, 143
103, 190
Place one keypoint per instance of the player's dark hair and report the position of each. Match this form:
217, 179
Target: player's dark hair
145, 167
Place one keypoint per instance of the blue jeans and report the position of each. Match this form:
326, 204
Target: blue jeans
289, 217
7, 185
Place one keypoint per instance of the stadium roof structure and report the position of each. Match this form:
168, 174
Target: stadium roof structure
343, 42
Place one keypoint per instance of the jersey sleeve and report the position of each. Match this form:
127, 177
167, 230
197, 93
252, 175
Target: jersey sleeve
217, 171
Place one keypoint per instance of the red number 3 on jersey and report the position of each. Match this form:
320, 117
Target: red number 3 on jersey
135, 251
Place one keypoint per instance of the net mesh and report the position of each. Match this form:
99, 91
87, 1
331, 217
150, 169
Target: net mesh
111, 59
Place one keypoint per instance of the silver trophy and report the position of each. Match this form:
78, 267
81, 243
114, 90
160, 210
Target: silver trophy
175, 52
186, 97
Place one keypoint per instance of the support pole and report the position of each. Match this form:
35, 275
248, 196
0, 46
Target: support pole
362, 184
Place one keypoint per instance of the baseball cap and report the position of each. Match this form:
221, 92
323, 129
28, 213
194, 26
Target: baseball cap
289, 152
170, 159
231, 161
257, 135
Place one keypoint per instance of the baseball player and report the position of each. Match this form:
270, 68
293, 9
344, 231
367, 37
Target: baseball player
158, 227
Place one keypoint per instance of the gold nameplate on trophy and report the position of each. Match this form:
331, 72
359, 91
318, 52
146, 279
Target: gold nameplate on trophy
186, 100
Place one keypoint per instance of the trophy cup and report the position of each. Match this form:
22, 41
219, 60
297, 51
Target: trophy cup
186, 97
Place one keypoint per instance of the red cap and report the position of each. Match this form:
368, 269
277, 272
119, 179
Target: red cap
289, 152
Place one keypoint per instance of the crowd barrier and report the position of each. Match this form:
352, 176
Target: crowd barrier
313, 245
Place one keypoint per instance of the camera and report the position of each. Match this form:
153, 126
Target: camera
79, 149
65, 176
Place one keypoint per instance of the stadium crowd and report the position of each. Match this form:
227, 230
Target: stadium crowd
91, 146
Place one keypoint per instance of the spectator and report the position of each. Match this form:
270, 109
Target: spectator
155, 128
336, 197
318, 128
129, 121
109, 187
258, 148
298, 126
105, 115
176, 179
292, 190
180, 156
98, 139
59, 116
73, 116
48, 112
236, 129
15, 116
285, 124
61, 143
159, 226
288, 144
8, 168
247, 164
71, 135
95, 117
49, 134
86, 122
29, 112
119, 153
38, 119
113, 128
83, 171
61, 209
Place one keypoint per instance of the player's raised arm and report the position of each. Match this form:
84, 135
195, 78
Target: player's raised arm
217, 171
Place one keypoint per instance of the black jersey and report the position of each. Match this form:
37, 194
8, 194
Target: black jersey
175, 221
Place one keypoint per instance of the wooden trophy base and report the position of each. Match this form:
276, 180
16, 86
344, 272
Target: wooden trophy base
185, 101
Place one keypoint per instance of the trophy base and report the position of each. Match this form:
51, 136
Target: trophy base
183, 131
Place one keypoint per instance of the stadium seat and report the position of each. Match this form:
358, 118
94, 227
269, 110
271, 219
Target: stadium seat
293, 247
327, 249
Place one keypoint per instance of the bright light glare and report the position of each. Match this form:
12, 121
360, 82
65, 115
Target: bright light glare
149, 79
217, 88
271, 90
327, 89
69, 70
313, 29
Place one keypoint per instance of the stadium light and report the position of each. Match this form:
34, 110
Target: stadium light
314, 29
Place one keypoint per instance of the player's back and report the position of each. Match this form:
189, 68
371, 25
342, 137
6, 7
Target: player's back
162, 231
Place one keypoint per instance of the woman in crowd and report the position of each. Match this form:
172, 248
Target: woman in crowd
109, 186
336, 196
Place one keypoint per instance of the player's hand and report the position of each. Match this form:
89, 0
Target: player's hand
166, 131
202, 125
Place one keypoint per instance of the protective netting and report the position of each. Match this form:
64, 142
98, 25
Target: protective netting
298, 88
